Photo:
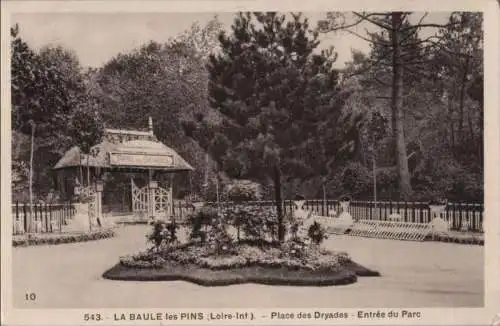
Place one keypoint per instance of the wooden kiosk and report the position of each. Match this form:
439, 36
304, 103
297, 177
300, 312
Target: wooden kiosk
122, 151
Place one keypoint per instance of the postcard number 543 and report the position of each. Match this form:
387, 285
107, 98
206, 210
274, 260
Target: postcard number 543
88, 317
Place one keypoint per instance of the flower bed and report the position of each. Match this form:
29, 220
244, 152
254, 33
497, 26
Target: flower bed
458, 238
256, 274
292, 263
59, 238
213, 255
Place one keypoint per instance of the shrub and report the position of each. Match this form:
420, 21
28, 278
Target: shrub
294, 249
316, 233
244, 190
218, 237
203, 217
356, 178
257, 222
163, 233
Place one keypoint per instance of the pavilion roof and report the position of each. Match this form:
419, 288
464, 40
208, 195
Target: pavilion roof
126, 149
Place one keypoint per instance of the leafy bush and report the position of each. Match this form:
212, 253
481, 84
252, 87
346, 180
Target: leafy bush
244, 190
257, 222
163, 233
356, 178
316, 233
447, 178
218, 237
199, 219
294, 249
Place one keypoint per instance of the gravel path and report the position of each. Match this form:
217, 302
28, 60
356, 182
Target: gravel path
429, 274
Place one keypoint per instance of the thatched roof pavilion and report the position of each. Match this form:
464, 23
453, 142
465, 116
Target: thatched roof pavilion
126, 149
119, 151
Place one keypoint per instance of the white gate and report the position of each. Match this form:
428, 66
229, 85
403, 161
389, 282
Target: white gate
140, 199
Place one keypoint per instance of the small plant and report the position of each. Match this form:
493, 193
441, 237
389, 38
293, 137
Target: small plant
163, 233
316, 233
219, 238
200, 220
294, 229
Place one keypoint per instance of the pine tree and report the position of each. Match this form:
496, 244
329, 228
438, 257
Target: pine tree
276, 102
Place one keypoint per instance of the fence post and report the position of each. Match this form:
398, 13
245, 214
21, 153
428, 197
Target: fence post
17, 211
36, 217
460, 214
51, 217
413, 213
60, 214
46, 218
406, 211
473, 219
481, 217
26, 226
453, 216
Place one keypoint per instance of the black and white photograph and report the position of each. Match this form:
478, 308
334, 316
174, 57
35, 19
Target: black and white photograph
268, 159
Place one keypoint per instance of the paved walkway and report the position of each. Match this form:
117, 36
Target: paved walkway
429, 274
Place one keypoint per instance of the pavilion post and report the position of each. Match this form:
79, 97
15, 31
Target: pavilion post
99, 190
152, 198
171, 195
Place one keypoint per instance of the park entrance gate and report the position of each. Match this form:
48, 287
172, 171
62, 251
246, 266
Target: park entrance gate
162, 207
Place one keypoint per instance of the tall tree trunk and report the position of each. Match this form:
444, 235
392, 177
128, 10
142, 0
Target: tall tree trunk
32, 150
279, 202
397, 109
450, 119
461, 132
88, 170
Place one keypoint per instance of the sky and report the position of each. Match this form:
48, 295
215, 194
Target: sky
97, 37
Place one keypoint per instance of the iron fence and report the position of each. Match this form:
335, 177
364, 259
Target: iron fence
50, 217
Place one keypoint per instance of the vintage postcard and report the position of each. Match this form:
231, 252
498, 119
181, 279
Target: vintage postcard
250, 162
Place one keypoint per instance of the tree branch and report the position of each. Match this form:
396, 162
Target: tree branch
465, 55
406, 67
367, 18
422, 18
365, 38
365, 69
427, 25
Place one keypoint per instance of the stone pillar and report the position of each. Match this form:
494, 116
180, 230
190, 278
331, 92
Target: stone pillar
99, 189
437, 223
344, 219
18, 226
299, 212
345, 206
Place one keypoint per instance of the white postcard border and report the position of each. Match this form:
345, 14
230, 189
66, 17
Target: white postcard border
433, 316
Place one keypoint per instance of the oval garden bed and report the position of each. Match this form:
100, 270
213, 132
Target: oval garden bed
291, 263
